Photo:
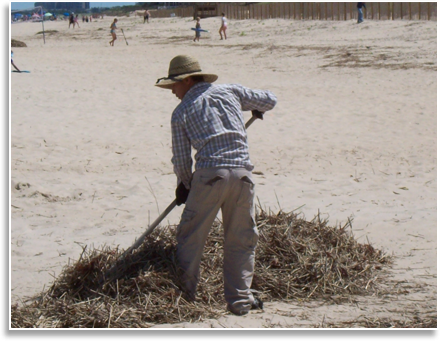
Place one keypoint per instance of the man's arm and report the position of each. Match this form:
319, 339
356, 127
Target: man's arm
261, 100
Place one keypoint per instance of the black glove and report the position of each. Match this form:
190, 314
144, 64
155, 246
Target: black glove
257, 114
181, 194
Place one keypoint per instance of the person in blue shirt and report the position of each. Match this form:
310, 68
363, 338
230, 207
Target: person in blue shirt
12, 62
360, 13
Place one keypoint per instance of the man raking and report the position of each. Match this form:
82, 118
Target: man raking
209, 118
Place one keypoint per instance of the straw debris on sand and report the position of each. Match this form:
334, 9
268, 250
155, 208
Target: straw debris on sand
17, 43
295, 259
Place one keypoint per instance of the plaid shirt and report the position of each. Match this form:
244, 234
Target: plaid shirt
209, 118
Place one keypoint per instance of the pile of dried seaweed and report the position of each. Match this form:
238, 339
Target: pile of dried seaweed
295, 259
17, 43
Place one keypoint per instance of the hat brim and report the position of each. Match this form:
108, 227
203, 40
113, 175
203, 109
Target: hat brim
167, 83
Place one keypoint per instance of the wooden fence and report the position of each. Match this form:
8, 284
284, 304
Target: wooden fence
182, 12
315, 11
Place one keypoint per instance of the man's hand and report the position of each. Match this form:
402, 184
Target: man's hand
181, 194
257, 114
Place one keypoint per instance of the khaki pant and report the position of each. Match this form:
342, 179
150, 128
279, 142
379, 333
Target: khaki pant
232, 191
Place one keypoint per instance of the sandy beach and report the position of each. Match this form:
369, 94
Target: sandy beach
353, 136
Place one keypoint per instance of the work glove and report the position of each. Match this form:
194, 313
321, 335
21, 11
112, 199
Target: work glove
181, 194
257, 114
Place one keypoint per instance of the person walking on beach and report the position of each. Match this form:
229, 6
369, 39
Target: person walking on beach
209, 118
76, 21
198, 28
147, 16
12, 62
223, 27
360, 13
113, 31
71, 20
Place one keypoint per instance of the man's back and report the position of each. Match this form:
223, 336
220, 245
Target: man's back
210, 118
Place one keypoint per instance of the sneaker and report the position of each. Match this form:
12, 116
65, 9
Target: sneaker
257, 304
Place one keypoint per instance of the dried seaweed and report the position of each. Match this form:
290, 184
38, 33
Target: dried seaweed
295, 259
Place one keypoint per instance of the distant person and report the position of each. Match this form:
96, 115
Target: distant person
198, 28
223, 27
71, 21
113, 29
360, 13
12, 62
76, 21
147, 17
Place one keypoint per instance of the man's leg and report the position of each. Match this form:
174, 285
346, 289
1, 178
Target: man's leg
360, 15
241, 236
201, 208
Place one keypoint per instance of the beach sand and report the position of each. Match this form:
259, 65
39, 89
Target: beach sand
353, 136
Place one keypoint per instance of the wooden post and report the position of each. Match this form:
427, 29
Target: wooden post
345, 11
420, 11
409, 8
429, 12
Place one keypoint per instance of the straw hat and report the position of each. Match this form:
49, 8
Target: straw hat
182, 67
